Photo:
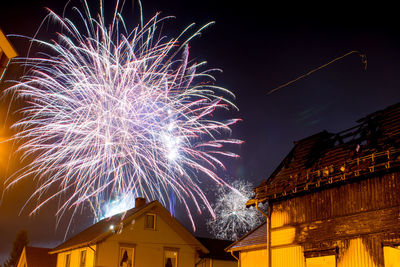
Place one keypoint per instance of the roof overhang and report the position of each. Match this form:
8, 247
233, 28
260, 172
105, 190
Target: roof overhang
251, 247
81, 245
7, 52
255, 201
6, 46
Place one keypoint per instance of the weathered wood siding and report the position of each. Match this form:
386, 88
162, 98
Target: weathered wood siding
365, 195
355, 219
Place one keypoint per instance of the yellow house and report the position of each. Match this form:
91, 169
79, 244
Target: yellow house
334, 201
36, 257
144, 236
7, 52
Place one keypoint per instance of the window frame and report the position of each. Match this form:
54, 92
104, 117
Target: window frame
154, 221
67, 260
321, 253
126, 246
80, 258
171, 249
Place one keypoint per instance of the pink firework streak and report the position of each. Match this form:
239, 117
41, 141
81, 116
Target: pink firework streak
114, 113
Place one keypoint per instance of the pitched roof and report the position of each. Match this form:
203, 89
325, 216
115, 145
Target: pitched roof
39, 257
327, 159
101, 230
216, 248
255, 238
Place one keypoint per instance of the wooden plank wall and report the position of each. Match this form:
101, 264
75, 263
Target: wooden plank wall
358, 216
366, 195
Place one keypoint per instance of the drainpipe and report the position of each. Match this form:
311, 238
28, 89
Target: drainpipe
233, 255
268, 222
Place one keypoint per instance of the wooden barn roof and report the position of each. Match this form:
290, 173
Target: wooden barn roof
328, 159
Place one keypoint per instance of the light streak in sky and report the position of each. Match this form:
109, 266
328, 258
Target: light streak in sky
113, 112
233, 218
116, 206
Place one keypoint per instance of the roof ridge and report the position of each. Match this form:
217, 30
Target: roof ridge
119, 216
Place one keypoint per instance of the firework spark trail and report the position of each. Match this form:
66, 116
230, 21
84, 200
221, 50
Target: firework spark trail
113, 113
233, 218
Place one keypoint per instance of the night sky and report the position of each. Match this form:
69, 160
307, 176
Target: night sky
258, 48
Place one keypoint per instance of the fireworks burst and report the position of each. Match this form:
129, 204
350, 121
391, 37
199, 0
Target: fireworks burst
114, 113
233, 219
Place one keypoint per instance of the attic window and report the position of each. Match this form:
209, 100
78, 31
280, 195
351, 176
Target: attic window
150, 221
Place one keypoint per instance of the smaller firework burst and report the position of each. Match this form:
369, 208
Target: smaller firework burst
233, 219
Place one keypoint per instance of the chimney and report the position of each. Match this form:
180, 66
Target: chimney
139, 202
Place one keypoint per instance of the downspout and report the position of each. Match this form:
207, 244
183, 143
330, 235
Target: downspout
233, 255
268, 222
197, 263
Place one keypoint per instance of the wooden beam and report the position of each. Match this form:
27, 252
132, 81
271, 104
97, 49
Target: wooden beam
6, 46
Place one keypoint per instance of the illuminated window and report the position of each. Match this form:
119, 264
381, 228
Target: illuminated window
170, 257
82, 259
68, 260
150, 221
391, 255
126, 256
323, 261
324, 258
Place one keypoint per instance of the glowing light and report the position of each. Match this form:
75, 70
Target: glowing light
116, 113
117, 206
233, 219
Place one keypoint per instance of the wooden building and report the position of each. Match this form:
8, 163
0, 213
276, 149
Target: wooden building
333, 201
